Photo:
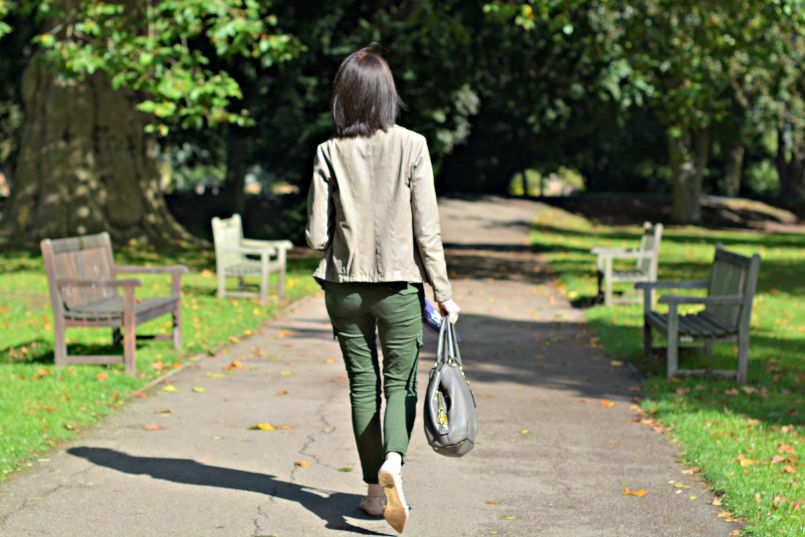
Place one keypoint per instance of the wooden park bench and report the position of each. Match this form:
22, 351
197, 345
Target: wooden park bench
725, 318
646, 256
85, 292
231, 258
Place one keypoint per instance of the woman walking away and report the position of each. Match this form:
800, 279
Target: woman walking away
372, 211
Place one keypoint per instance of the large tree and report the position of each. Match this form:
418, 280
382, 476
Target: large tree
105, 81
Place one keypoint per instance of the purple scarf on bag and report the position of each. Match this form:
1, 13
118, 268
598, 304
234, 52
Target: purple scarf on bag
433, 318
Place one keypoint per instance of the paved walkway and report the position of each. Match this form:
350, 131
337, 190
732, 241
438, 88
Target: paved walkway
550, 461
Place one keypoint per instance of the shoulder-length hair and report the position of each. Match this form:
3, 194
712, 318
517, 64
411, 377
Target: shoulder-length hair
364, 96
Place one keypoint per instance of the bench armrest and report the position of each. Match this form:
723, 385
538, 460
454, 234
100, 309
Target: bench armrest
255, 243
261, 251
689, 284
75, 282
601, 250
626, 254
723, 300
163, 269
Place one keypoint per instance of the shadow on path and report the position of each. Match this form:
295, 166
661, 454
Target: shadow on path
328, 505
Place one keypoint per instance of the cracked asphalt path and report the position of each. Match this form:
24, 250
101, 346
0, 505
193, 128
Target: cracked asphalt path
550, 461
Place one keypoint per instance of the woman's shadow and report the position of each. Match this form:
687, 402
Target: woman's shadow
328, 505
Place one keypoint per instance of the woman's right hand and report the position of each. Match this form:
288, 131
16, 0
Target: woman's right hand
449, 309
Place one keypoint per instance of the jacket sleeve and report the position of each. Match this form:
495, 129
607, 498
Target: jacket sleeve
319, 205
427, 231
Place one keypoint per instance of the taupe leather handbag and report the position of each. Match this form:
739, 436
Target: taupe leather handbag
451, 422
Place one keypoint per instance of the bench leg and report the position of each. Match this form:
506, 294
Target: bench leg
265, 273
743, 358
281, 277
117, 337
177, 325
221, 284
673, 341
608, 282
59, 342
129, 331
646, 338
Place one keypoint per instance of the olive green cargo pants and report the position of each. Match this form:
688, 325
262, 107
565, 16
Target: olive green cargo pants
395, 310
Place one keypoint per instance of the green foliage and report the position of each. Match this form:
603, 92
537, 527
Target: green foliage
5, 28
165, 51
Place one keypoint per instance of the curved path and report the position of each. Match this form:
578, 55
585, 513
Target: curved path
551, 461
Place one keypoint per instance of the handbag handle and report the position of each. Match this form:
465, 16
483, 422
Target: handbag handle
447, 338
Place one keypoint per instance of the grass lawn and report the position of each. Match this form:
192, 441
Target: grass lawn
41, 406
746, 441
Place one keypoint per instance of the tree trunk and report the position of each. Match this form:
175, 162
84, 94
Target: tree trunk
237, 164
688, 156
790, 166
85, 165
734, 156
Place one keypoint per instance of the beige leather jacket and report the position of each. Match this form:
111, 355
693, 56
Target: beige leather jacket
372, 211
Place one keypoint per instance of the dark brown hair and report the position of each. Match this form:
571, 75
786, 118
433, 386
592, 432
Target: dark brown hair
364, 96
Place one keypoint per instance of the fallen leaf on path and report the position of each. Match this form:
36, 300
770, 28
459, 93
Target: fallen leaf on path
153, 427
345, 469
287, 427
163, 411
511, 517
169, 388
678, 485
616, 363
523, 431
281, 392
215, 375
198, 389
638, 492
262, 427
302, 464
327, 430
492, 502
139, 394
101, 376
606, 403
283, 333
286, 373
716, 501
234, 364
329, 361
729, 517
234, 339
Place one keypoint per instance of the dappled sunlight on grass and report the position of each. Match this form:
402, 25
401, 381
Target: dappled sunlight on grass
714, 420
